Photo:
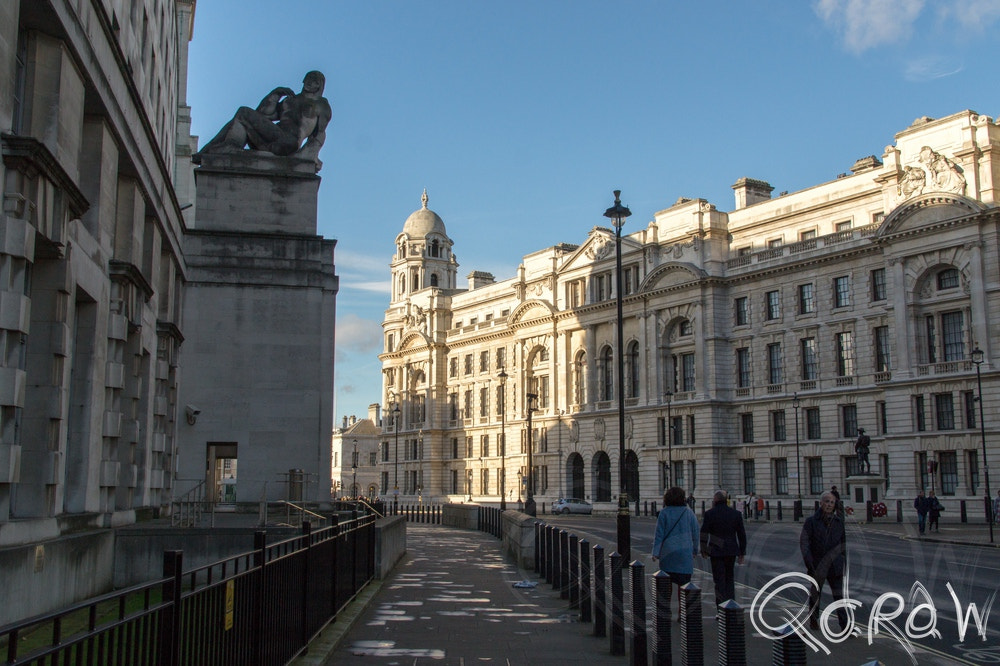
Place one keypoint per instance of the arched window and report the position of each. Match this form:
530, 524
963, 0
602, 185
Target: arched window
416, 280
632, 367
602, 477
580, 380
606, 375
434, 278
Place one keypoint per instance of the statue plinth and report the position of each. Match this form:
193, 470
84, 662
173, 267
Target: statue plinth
256, 192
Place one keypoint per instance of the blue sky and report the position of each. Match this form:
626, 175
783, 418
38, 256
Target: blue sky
520, 117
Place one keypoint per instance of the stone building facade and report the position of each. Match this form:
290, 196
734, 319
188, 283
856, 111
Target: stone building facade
364, 437
102, 338
756, 342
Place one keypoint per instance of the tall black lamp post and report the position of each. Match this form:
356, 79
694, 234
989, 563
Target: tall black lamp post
503, 439
354, 469
617, 214
529, 502
978, 357
668, 434
798, 458
395, 465
420, 466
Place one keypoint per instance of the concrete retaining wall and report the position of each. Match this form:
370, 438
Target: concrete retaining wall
465, 516
390, 544
517, 532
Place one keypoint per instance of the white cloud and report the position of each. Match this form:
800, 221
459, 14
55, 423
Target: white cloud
379, 287
976, 15
358, 335
866, 24
930, 68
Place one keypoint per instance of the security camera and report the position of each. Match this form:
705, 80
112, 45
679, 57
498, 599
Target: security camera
192, 413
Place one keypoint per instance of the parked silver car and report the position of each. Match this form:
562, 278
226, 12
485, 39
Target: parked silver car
572, 505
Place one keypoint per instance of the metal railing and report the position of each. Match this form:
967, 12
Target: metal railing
187, 511
260, 607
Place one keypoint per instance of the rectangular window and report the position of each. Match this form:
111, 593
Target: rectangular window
630, 277
773, 307
944, 411
484, 401
878, 284
810, 358
842, 226
969, 407
973, 457
743, 367
467, 404
453, 406
931, 339
453, 367
454, 448
746, 427
468, 447
849, 421
775, 371
468, 364
807, 298
882, 427
501, 358
679, 473
851, 466
780, 476
778, 425
948, 464
484, 361
845, 354
484, 486
676, 430
920, 420
543, 392
812, 423
841, 291
693, 467
948, 279
951, 330
816, 483
742, 311
690, 429
484, 442
808, 234
882, 362
749, 477
687, 372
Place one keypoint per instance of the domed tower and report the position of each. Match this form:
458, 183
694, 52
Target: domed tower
423, 255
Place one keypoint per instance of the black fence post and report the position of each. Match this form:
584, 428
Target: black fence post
585, 598
564, 565
557, 550
259, 563
868, 511
788, 649
732, 634
639, 653
170, 618
547, 564
574, 571
600, 594
538, 546
692, 635
962, 512
661, 619
899, 511
617, 606
767, 510
304, 601
780, 517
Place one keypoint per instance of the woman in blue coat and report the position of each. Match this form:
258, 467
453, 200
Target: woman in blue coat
676, 540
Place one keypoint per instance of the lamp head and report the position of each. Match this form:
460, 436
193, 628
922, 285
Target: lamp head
978, 356
618, 212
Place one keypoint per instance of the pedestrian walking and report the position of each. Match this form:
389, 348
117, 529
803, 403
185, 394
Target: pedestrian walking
823, 543
724, 540
760, 507
840, 505
923, 507
934, 509
676, 541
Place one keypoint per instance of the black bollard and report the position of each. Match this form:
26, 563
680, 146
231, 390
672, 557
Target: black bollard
788, 649
732, 634
557, 558
550, 532
639, 652
600, 594
779, 510
538, 545
564, 565
585, 598
899, 511
962, 512
767, 510
661, 619
617, 605
868, 511
574, 571
692, 635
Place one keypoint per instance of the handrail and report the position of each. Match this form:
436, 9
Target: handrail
371, 508
187, 510
302, 509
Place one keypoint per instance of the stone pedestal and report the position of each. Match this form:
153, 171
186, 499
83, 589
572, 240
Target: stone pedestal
862, 488
259, 307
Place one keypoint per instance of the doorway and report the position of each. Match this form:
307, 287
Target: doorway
221, 474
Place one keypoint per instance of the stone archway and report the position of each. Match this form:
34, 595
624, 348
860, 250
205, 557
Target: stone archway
577, 481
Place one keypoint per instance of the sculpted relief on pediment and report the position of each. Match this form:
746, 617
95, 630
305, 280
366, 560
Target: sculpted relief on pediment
931, 172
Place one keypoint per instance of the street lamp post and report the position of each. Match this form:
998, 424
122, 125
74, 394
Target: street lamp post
978, 357
668, 432
354, 468
503, 439
798, 458
529, 503
520, 480
617, 214
420, 466
395, 465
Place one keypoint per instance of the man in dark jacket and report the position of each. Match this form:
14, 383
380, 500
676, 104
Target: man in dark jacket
824, 551
923, 506
724, 539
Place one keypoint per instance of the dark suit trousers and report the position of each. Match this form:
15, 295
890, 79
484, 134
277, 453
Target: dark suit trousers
724, 577
836, 587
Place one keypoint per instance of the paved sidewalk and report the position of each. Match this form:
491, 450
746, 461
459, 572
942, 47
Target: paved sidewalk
451, 600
